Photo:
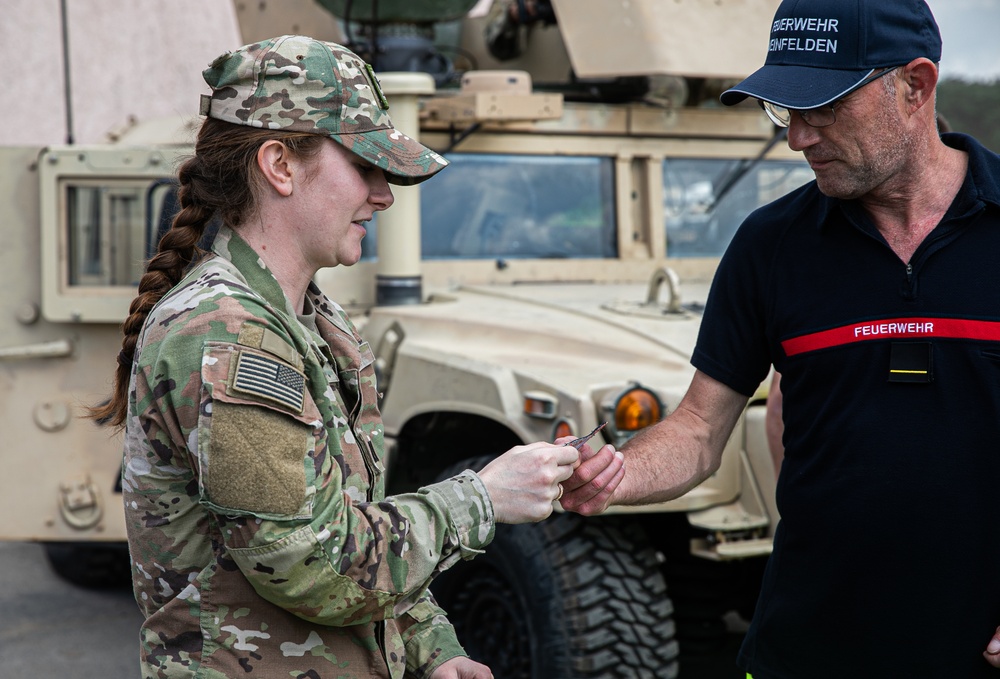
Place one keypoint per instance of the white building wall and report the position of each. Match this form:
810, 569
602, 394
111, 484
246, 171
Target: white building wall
129, 60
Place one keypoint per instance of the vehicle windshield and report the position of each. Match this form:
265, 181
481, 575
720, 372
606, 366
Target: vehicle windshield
699, 223
517, 206
489, 206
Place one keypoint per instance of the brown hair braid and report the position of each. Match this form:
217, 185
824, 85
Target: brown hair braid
221, 179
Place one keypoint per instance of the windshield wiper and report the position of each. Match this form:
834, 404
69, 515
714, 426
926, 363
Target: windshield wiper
744, 166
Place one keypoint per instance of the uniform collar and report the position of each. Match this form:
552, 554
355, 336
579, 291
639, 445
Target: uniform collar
231, 247
984, 167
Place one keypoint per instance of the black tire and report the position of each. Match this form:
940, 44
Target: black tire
704, 591
565, 598
90, 565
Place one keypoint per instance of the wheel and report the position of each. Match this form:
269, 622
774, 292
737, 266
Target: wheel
570, 597
90, 565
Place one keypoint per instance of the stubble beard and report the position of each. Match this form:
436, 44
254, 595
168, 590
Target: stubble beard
884, 155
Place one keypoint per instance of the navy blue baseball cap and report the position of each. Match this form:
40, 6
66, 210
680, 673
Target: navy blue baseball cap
821, 50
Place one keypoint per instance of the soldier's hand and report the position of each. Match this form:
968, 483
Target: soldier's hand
589, 490
461, 667
524, 481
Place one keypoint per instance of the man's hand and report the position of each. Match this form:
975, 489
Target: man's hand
588, 491
992, 652
461, 667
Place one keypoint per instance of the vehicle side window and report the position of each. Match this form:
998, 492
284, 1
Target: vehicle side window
105, 236
113, 229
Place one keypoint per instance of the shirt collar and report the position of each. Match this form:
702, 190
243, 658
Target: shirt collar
984, 166
982, 184
230, 246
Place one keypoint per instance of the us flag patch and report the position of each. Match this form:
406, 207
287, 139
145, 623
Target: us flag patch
270, 379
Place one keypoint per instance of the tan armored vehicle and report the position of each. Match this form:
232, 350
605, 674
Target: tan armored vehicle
594, 184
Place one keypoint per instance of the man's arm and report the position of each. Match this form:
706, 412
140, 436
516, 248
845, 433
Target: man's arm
667, 459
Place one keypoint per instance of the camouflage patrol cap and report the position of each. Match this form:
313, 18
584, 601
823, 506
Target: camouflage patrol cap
300, 84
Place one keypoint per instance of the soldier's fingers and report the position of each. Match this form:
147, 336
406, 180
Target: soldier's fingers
542, 453
585, 450
564, 473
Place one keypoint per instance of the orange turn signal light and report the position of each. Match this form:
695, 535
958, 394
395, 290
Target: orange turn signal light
637, 409
564, 428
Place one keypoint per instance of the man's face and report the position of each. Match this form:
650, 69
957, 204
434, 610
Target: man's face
865, 148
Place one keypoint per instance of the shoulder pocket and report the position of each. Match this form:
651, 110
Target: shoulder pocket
256, 432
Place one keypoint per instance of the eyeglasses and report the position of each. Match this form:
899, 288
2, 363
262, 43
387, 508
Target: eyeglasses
821, 116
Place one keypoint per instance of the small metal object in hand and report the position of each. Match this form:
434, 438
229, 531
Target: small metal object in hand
578, 443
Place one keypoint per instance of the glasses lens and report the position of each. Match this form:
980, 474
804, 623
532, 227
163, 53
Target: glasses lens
819, 117
779, 115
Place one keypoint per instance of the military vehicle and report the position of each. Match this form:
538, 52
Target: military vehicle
555, 282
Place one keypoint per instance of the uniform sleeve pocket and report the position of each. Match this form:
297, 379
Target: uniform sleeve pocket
257, 430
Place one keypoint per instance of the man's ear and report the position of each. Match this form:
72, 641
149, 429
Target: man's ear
920, 78
277, 165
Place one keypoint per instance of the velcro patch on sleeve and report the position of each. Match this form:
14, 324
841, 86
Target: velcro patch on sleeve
270, 379
255, 460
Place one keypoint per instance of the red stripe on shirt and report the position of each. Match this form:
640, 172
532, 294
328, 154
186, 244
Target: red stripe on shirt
893, 328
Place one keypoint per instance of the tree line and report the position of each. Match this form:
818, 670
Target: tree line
972, 107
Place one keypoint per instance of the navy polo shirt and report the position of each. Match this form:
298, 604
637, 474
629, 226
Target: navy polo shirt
886, 561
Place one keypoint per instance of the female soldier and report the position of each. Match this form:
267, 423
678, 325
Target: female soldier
261, 540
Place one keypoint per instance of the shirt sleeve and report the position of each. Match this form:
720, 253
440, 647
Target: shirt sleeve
429, 638
732, 345
353, 562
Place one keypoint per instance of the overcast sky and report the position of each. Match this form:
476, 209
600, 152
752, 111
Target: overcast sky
969, 34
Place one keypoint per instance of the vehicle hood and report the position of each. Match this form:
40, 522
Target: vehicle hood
570, 336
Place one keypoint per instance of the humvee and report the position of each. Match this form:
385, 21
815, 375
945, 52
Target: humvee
550, 280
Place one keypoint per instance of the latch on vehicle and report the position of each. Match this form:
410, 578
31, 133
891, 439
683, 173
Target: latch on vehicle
80, 502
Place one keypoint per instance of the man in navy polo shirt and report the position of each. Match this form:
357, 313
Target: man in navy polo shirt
874, 292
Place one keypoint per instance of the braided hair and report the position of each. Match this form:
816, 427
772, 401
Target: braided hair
221, 180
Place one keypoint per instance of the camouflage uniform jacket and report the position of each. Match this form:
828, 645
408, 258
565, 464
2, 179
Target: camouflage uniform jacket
261, 541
